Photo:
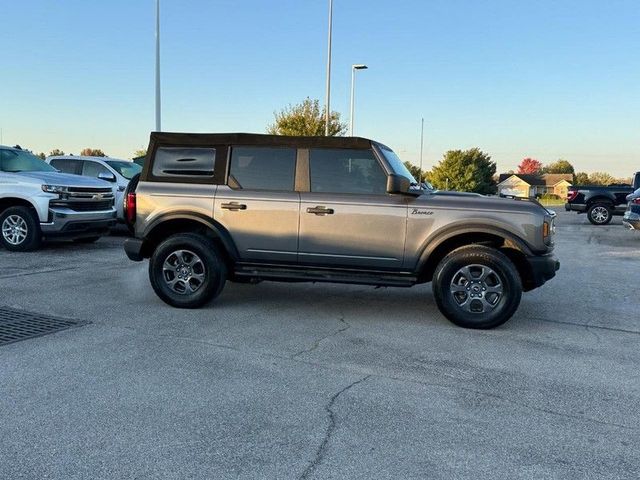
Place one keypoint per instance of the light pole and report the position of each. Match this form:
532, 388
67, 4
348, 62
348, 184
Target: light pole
158, 125
327, 113
358, 66
421, 148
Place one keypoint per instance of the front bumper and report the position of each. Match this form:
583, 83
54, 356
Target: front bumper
631, 220
543, 268
64, 222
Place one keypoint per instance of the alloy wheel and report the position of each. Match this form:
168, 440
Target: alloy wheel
476, 289
14, 229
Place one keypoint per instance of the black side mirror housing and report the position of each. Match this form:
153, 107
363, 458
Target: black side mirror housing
398, 184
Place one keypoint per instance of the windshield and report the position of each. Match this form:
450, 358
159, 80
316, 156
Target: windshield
396, 164
126, 169
21, 161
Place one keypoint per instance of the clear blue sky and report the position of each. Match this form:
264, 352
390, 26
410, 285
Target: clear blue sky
547, 79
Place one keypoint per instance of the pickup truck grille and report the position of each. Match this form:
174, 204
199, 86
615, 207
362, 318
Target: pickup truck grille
92, 190
80, 206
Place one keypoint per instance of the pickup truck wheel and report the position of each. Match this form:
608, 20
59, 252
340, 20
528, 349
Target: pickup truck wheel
477, 287
187, 271
20, 229
599, 213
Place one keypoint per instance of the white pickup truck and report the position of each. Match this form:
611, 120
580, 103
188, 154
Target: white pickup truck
37, 201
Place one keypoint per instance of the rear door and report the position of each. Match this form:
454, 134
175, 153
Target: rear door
259, 206
347, 219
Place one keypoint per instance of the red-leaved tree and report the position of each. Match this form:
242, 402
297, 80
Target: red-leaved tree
530, 165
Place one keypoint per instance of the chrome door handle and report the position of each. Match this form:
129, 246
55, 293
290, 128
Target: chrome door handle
320, 210
233, 206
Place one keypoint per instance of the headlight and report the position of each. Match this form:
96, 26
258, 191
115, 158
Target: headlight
54, 189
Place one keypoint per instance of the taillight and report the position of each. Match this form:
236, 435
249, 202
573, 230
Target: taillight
636, 201
571, 194
131, 208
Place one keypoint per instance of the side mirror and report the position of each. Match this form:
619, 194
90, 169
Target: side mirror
398, 184
108, 176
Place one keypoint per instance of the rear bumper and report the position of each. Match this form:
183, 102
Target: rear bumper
543, 268
570, 207
133, 249
631, 220
64, 222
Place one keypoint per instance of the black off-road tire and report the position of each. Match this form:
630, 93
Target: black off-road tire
600, 213
27, 218
213, 270
476, 257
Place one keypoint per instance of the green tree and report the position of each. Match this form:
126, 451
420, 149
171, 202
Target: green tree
42, 155
561, 166
92, 152
56, 152
415, 171
601, 178
305, 118
465, 171
581, 178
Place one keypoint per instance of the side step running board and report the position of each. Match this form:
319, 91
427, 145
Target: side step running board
311, 274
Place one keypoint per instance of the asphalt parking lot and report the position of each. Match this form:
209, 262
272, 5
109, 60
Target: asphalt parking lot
322, 381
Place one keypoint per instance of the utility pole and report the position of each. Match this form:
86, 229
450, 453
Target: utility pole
421, 148
327, 113
158, 123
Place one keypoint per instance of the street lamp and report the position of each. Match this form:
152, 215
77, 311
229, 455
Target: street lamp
327, 113
353, 88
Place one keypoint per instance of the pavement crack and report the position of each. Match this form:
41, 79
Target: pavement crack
317, 343
330, 429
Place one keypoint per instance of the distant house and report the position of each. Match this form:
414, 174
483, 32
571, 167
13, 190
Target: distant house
528, 185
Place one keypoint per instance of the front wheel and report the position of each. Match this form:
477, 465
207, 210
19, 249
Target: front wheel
599, 214
20, 229
187, 271
477, 287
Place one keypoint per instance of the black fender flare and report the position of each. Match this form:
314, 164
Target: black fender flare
432, 243
216, 228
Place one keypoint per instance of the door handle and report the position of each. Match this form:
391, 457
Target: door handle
320, 210
233, 206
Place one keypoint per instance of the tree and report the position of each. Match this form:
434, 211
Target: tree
415, 171
140, 153
305, 118
530, 166
581, 178
561, 166
601, 178
42, 155
92, 152
56, 152
466, 171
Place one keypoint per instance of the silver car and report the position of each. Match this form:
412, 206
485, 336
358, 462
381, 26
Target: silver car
116, 171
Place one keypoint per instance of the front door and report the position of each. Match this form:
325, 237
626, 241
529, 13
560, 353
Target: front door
348, 219
259, 207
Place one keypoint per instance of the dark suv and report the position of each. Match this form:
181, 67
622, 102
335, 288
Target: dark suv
242, 207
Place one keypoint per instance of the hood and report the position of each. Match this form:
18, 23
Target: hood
63, 179
477, 202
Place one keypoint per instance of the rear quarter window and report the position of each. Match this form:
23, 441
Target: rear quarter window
186, 162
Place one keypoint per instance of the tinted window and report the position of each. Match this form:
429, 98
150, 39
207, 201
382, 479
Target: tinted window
346, 171
21, 161
67, 166
178, 161
126, 169
262, 168
93, 169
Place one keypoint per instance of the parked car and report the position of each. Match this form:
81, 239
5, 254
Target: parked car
113, 170
600, 203
241, 207
37, 201
631, 216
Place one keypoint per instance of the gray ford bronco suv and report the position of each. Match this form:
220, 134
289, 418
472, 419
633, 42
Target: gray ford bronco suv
211, 208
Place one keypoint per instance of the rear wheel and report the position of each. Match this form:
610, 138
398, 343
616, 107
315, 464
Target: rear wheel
600, 213
20, 229
477, 287
187, 270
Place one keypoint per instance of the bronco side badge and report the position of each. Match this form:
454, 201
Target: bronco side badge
421, 211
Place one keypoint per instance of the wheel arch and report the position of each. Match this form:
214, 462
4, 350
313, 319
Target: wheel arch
512, 246
7, 202
188, 222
